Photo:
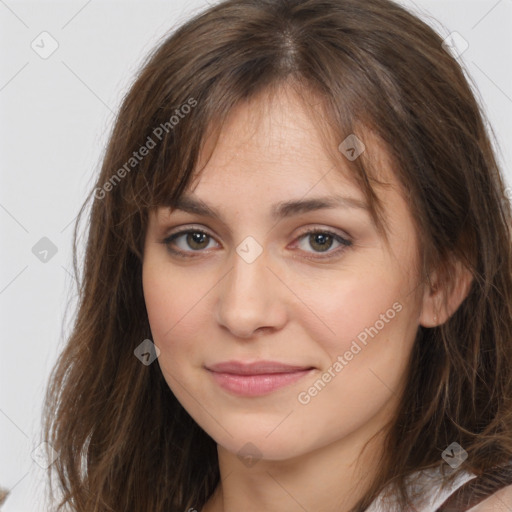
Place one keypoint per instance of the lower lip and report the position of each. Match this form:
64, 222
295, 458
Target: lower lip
255, 385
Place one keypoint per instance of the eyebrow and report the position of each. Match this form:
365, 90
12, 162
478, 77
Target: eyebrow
279, 210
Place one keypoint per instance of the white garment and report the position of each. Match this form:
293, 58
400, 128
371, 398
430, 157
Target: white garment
429, 482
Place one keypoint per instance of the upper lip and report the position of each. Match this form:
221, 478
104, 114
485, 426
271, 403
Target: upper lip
255, 368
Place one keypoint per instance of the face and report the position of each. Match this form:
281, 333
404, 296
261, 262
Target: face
313, 295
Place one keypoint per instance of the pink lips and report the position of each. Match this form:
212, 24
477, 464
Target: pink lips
258, 378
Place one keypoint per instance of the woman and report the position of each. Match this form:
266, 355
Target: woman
297, 285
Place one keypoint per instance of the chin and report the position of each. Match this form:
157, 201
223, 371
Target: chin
254, 443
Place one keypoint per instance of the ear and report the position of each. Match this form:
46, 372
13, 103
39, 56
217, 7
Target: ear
444, 293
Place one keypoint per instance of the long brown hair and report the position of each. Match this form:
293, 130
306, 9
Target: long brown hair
125, 442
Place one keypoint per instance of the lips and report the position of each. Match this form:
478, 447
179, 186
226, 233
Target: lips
256, 368
256, 378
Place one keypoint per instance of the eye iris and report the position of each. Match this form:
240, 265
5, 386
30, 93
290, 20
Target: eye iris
321, 239
196, 237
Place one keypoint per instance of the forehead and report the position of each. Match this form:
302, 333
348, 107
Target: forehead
282, 135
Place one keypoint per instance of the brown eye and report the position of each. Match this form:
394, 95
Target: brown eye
195, 239
188, 241
321, 241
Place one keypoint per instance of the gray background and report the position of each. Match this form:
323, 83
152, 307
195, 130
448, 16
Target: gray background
55, 116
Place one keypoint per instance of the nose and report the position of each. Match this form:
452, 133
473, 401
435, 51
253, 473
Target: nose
251, 298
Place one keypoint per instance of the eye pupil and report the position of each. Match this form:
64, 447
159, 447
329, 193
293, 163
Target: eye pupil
321, 239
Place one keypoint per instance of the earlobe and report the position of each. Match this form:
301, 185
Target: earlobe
443, 293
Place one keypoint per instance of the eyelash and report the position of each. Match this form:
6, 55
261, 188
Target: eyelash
345, 242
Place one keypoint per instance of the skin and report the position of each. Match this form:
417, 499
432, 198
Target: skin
214, 306
498, 502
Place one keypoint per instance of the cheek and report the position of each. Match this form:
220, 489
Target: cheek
365, 360
374, 319
360, 308
175, 304
160, 299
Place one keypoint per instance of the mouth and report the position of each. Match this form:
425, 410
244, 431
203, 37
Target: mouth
258, 378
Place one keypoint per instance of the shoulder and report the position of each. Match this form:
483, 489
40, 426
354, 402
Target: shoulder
426, 491
500, 501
